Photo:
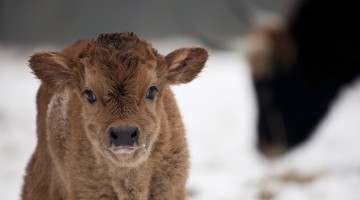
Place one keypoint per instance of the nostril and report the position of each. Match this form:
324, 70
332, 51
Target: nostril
134, 134
113, 135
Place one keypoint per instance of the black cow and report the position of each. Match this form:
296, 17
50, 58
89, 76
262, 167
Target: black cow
296, 95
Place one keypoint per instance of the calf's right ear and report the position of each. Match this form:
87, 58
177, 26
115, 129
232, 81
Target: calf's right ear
54, 69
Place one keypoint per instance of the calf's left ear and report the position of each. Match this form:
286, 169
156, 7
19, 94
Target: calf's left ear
185, 64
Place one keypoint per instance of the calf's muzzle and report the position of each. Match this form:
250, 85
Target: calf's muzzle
123, 136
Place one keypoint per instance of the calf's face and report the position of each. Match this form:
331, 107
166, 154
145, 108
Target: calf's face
120, 81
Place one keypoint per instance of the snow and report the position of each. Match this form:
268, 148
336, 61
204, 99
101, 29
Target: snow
219, 113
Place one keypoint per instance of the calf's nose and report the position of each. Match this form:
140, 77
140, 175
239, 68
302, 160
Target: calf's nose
123, 136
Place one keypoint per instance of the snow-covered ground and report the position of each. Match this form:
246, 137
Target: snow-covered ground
219, 114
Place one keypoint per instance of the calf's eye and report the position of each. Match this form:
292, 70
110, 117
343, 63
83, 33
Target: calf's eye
90, 96
151, 92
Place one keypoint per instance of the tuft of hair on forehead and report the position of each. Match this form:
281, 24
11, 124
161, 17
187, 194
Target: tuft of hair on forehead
112, 49
120, 41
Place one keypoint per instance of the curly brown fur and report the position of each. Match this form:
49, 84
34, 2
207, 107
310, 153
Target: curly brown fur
76, 156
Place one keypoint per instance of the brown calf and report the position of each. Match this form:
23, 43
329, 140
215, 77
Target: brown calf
108, 126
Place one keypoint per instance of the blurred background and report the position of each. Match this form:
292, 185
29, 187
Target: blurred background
273, 116
62, 22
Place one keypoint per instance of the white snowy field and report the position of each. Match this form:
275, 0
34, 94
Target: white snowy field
218, 109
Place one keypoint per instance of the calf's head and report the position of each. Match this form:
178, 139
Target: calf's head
120, 82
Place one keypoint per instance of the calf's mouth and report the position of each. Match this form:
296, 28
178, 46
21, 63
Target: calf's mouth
127, 151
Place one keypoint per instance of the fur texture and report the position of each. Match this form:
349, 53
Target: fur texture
74, 157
